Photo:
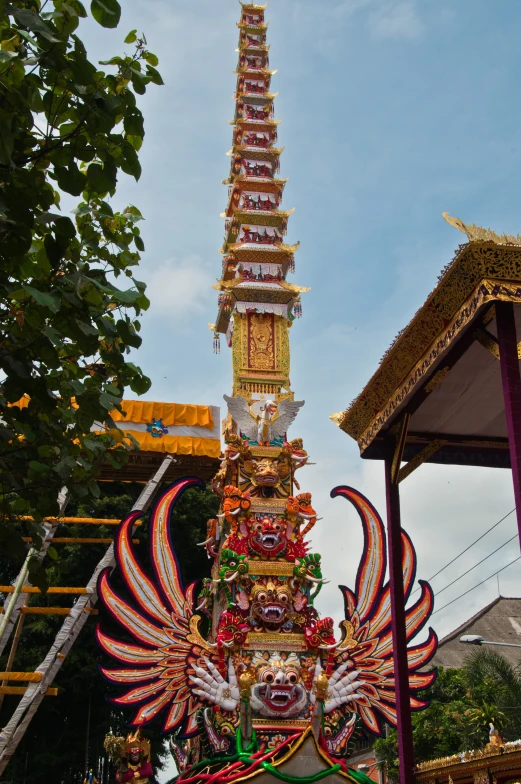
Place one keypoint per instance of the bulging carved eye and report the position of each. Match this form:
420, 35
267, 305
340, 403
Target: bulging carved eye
258, 527
262, 596
268, 676
276, 527
283, 598
292, 677
225, 730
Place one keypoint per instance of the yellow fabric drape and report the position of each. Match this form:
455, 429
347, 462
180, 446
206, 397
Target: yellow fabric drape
173, 414
177, 445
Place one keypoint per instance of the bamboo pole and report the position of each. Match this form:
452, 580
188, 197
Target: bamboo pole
14, 645
15, 591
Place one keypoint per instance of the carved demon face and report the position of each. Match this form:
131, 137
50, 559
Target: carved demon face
265, 473
279, 691
270, 604
267, 537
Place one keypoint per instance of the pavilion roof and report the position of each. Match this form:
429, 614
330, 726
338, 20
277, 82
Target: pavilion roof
439, 369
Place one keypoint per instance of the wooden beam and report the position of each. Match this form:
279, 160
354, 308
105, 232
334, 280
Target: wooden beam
52, 589
52, 611
79, 520
428, 451
489, 342
78, 540
30, 677
399, 446
52, 692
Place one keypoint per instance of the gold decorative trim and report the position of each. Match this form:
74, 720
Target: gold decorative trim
279, 568
479, 234
432, 331
276, 641
436, 380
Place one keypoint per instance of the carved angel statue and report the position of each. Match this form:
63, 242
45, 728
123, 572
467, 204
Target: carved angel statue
270, 424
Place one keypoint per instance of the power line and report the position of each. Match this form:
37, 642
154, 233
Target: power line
477, 585
467, 549
437, 593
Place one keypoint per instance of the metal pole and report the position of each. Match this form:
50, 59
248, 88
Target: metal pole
511, 380
401, 669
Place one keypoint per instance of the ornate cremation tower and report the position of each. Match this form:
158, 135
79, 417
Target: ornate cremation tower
247, 675
256, 303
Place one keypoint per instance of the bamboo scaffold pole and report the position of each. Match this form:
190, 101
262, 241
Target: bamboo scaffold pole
14, 730
17, 600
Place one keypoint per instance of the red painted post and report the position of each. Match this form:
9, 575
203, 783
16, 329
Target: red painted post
401, 670
511, 380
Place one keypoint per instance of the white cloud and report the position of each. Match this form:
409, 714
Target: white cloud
396, 20
179, 288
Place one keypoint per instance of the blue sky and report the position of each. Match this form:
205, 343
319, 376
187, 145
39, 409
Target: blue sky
392, 112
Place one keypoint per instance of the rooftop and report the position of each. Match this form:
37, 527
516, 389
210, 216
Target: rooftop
499, 621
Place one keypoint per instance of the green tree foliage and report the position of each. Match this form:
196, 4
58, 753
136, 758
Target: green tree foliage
67, 129
495, 686
53, 749
462, 703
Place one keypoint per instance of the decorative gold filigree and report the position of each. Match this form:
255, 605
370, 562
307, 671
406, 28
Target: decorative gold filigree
480, 274
436, 380
195, 637
479, 234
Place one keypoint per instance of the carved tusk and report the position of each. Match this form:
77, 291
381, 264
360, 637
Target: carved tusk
306, 516
220, 516
211, 644
314, 579
329, 647
228, 644
231, 579
236, 457
202, 604
202, 544
236, 512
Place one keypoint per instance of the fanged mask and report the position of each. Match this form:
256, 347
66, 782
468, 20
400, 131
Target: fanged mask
279, 691
270, 605
267, 537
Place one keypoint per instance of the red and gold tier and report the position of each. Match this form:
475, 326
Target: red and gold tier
256, 302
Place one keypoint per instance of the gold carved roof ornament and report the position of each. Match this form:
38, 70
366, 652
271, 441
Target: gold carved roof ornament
253, 7
479, 234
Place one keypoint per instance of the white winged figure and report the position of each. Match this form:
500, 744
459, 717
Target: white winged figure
271, 424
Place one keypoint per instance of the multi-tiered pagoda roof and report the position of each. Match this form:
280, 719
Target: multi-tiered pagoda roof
256, 257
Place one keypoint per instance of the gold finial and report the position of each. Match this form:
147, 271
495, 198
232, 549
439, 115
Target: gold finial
337, 418
245, 683
321, 686
478, 233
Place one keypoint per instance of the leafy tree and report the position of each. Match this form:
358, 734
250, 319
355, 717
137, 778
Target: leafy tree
440, 730
462, 704
54, 746
495, 686
67, 129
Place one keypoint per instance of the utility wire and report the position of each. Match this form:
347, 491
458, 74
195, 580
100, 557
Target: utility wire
467, 549
477, 585
437, 593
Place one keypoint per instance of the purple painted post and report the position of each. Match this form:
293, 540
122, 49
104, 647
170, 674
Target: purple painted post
401, 670
510, 377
